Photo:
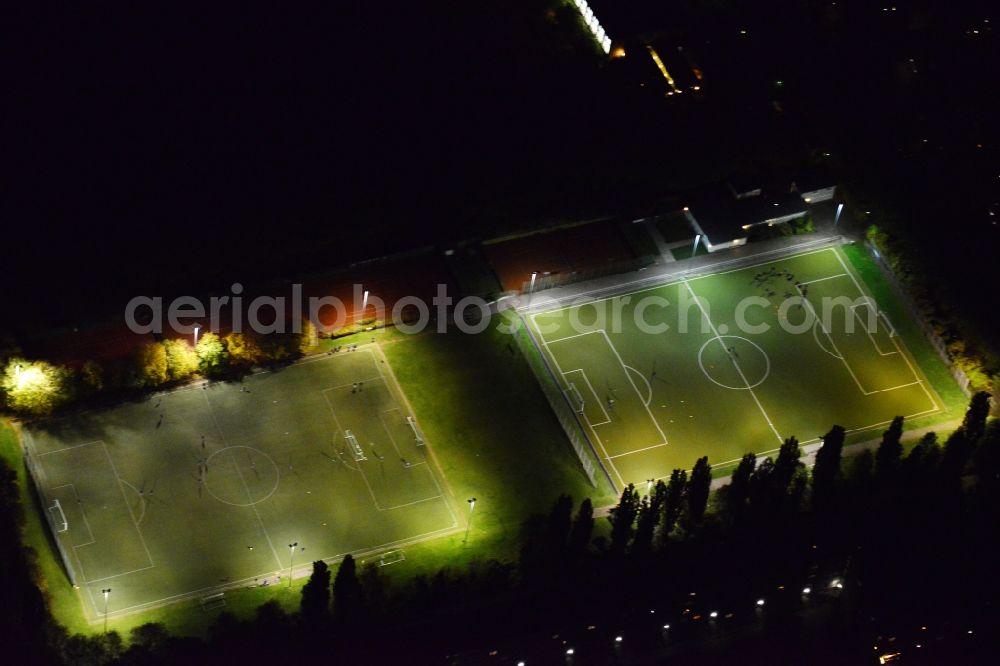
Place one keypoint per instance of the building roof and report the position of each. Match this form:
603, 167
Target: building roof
812, 178
722, 217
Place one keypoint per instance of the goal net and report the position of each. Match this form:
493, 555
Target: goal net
58, 517
574, 398
356, 449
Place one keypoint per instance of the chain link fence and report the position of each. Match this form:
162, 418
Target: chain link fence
552, 389
37, 481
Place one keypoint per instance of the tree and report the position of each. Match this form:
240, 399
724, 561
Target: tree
923, 461
696, 494
557, 528
581, 530
348, 595
974, 423
35, 388
826, 470
92, 377
673, 504
890, 451
957, 451
315, 603
622, 518
650, 512
310, 337
212, 356
182, 361
150, 365
737, 493
243, 350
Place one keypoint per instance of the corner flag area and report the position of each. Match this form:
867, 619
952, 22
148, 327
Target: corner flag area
198, 490
655, 401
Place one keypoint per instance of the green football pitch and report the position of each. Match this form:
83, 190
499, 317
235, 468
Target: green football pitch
663, 376
196, 490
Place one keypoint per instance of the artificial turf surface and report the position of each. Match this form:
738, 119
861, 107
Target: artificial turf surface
658, 399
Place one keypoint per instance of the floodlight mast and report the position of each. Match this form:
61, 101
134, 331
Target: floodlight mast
291, 560
836, 218
106, 593
694, 248
197, 327
468, 525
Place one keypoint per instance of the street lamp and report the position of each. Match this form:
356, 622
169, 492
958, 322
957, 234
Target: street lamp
197, 327
291, 559
472, 506
836, 218
106, 593
364, 303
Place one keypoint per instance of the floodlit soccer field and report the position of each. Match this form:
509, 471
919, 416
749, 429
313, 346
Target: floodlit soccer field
652, 401
202, 488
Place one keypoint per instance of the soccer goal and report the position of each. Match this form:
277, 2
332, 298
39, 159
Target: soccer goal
59, 522
416, 430
574, 398
352, 441
213, 601
387, 558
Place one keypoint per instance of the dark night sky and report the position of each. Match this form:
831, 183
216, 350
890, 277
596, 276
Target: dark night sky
162, 149
157, 149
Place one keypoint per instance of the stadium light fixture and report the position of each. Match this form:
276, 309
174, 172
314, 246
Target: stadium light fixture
714, 614
197, 327
468, 525
106, 594
531, 289
806, 590
836, 218
760, 602
618, 639
364, 302
291, 559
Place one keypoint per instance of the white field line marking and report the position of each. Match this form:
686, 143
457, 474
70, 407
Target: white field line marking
396, 391
260, 521
864, 327
597, 401
83, 514
649, 389
635, 388
646, 448
593, 430
234, 585
815, 329
823, 279
142, 500
569, 337
916, 374
829, 337
69, 448
734, 361
127, 573
129, 508
667, 281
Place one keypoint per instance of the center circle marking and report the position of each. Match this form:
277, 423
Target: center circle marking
253, 452
719, 339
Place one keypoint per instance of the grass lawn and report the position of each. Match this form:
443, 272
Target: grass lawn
655, 401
